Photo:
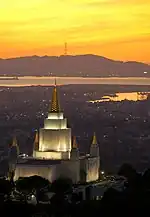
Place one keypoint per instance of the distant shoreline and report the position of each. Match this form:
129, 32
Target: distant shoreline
49, 81
3, 77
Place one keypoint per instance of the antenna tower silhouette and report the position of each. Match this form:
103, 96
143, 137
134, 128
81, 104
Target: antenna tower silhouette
66, 49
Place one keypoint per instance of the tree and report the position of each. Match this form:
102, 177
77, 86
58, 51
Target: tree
146, 179
61, 185
5, 188
28, 184
127, 171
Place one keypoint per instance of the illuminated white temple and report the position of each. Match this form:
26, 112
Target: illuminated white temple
54, 137
54, 153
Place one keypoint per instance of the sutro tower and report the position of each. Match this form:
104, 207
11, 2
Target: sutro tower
65, 49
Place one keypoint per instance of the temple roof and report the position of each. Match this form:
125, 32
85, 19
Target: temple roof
94, 141
55, 106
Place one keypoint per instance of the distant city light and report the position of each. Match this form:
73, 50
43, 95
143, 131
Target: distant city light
145, 72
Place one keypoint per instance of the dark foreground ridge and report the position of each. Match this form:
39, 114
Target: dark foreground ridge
79, 65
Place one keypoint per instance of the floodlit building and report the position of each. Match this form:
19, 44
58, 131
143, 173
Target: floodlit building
56, 154
55, 136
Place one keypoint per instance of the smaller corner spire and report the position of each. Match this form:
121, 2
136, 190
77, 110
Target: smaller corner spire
14, 142
74, 142
36, 137
94, 141
36, 141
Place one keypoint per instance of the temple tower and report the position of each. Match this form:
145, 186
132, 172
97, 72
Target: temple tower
55, 136
12, 158
74, 155
94, 148
93, 164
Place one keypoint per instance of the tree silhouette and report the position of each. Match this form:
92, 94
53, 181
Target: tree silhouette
28, 184
146, 179
5, 188
61, 185
127, 171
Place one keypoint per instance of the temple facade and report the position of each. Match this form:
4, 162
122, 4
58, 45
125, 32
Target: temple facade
56, 154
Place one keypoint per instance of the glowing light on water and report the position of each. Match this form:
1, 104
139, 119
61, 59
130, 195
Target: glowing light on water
118, 97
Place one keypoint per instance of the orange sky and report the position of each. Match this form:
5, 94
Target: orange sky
118, 29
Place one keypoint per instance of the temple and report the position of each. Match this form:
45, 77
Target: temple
56, 154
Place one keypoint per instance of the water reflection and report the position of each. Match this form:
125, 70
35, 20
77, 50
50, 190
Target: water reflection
48, 81
133, 96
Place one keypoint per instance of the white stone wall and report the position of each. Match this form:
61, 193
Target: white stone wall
55, 124
83, 169
69, 169
56, 140
94, 151
48, 172
55, 115
51, 155
93, 165
89, 167
47, 155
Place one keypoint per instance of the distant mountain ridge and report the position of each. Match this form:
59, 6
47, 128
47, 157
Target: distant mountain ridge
78, 65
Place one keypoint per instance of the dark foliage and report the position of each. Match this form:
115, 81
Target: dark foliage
133, 200
28, 184
5, 187
61, 185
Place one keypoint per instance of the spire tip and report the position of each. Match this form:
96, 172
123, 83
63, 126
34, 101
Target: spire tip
94, 141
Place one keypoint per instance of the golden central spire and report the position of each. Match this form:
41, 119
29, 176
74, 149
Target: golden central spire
55, 107
94, 141
74, 143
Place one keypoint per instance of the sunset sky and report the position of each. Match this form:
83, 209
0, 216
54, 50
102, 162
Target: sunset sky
118, 29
